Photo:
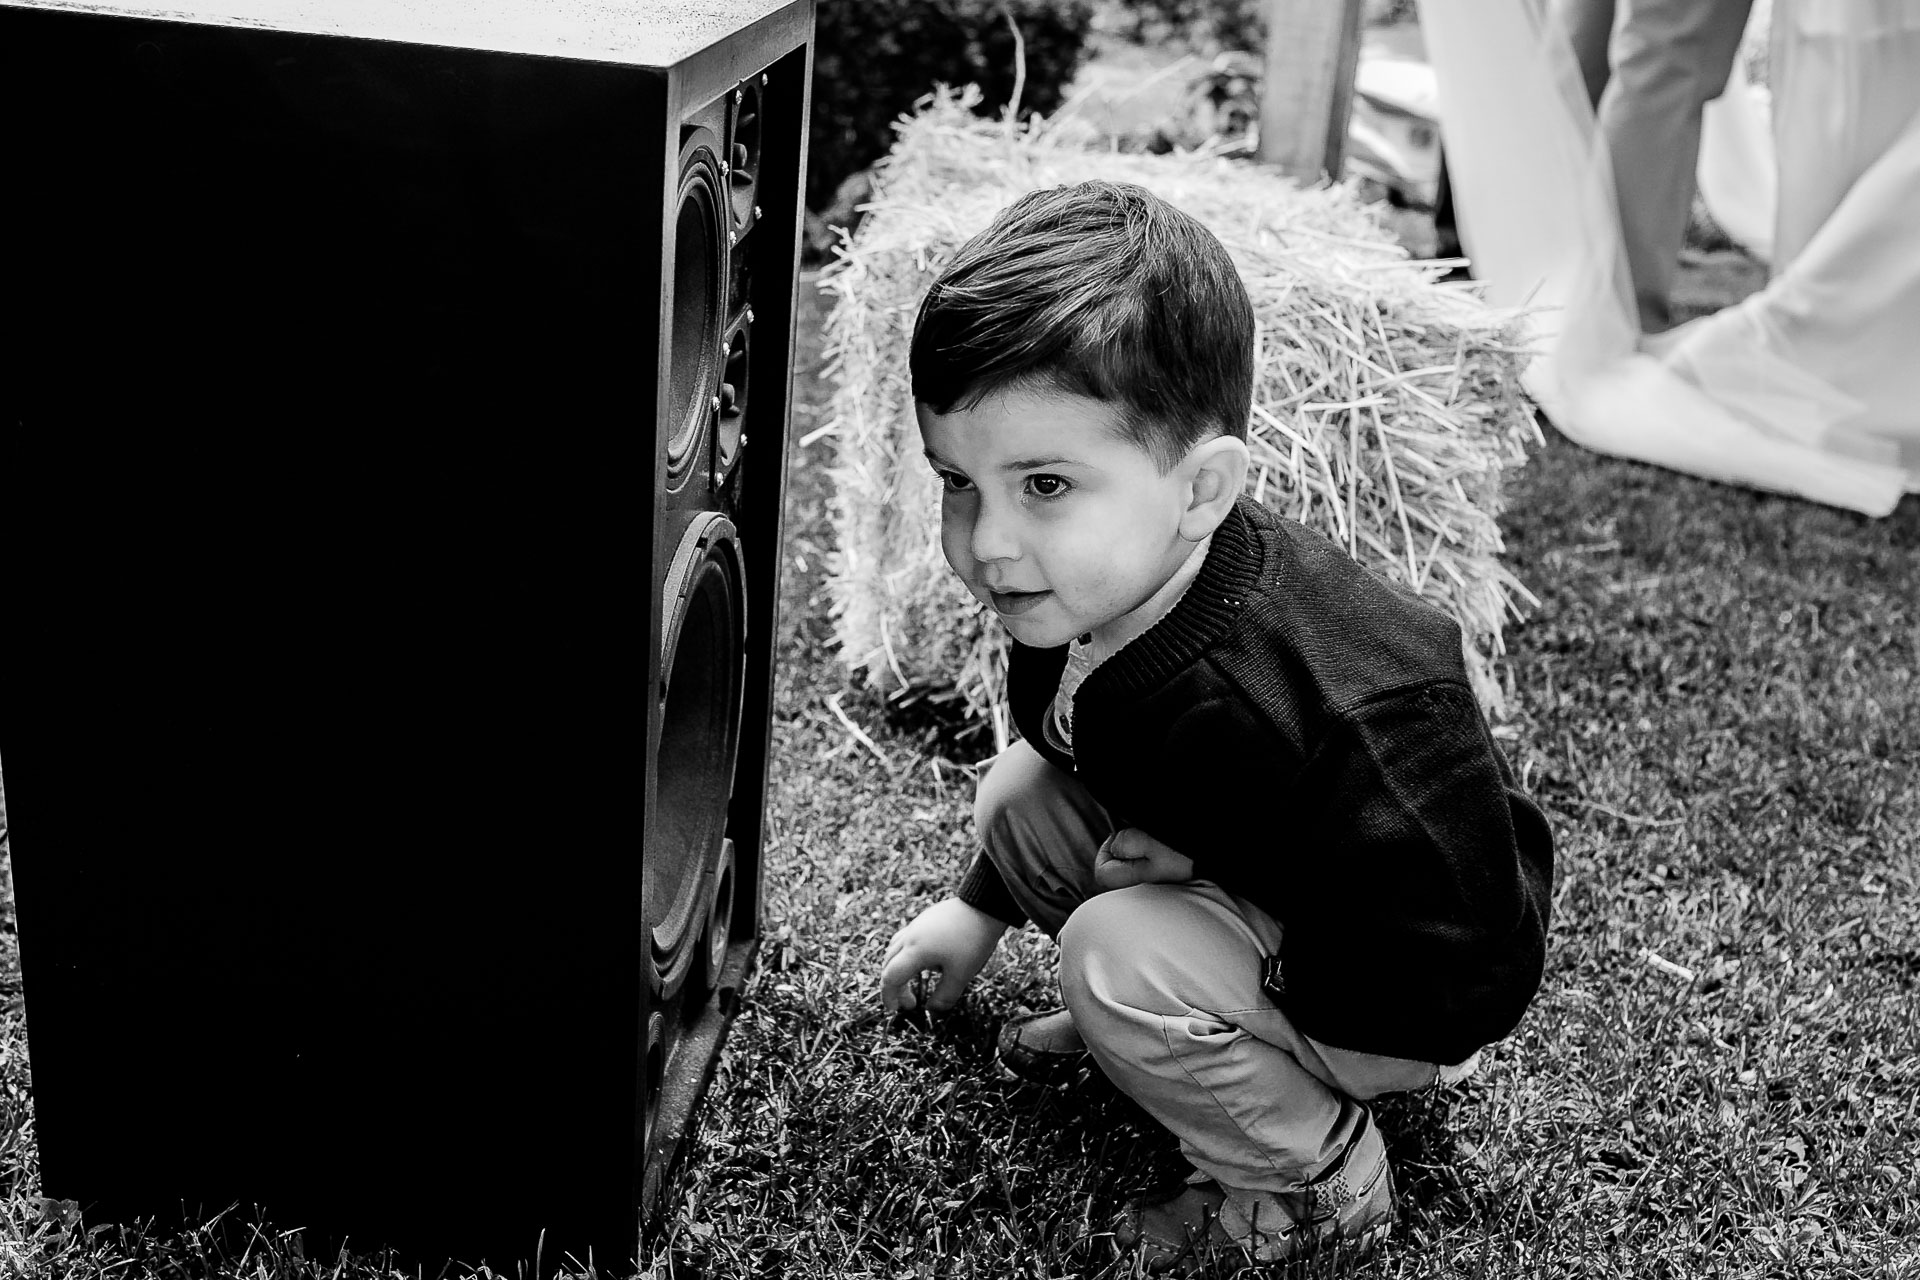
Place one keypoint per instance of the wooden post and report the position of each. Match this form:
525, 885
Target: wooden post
1313, 47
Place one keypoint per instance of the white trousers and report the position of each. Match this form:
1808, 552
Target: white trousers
1164, 983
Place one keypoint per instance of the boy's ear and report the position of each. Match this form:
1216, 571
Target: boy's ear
1216, 472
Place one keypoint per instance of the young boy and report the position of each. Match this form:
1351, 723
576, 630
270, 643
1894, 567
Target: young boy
1255, 800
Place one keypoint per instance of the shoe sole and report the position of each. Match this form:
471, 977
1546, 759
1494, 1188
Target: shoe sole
1059, 1078
1050, 1070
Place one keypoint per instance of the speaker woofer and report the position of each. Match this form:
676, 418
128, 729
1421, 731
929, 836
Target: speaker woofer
699, 240
703, 660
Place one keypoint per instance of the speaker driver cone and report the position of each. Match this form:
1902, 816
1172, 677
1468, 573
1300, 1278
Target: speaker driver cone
698, 258
730, 423
703, 664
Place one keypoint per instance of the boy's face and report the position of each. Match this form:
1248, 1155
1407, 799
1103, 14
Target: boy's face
1050, 515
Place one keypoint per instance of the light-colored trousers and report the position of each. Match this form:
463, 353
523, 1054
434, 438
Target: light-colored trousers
1650, 66
1164, 983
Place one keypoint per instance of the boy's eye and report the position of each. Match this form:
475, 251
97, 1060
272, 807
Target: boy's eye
1047, 486
953, 481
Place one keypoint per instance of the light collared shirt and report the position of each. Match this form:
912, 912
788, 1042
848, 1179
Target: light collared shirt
1086, 653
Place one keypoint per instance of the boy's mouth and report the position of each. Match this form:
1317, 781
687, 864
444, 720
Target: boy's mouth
1014, 603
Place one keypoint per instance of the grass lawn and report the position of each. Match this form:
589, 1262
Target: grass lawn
1716, 703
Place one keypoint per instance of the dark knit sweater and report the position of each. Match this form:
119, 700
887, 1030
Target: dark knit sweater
1308, 737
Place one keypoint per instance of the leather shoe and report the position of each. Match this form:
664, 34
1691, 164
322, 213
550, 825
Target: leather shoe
1043, 1049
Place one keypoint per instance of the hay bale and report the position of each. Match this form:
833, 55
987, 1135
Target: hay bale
1385, 405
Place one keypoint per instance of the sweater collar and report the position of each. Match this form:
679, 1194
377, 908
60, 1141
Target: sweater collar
1201, 617
1103, 643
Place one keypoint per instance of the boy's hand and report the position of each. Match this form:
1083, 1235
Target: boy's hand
1130, 856
949, 936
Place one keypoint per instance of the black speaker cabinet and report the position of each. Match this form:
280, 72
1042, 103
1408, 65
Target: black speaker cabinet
393, 407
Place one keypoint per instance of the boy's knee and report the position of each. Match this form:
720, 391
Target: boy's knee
1029, 814
1165, 949
1110, 947
998, 797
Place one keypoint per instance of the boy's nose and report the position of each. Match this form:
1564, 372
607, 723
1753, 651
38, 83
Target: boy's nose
993, 537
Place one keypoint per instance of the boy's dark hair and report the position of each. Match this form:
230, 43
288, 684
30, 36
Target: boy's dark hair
1103, 290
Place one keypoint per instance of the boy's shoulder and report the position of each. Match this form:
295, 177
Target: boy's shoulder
1317, 616
1303, 556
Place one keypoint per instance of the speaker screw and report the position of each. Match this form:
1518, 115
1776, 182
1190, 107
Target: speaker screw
724, 169
743, 441
749, 315
739, 95
733, 237
756, 213
716, 404
763, 78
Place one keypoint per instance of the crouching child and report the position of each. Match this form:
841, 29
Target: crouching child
1254, 797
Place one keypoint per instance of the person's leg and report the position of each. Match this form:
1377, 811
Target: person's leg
1670, 58
1163, 982
1589, 28
1040, 829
